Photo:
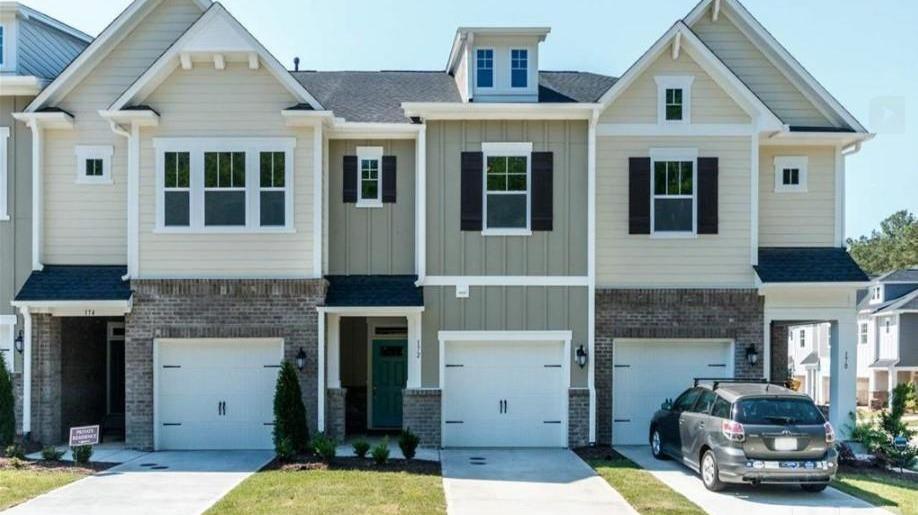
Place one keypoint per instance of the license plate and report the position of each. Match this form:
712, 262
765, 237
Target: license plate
785, 444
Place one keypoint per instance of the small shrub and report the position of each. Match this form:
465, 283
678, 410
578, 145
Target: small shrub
50, 453
7, 417
17, 463
82, 454
289, 410
326, 447
361, 448
408, 443
380, 452
15, 451
284, 450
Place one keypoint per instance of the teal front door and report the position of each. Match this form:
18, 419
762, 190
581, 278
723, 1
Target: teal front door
390, 372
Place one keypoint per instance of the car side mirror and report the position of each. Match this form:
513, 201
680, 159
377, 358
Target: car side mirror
667, 405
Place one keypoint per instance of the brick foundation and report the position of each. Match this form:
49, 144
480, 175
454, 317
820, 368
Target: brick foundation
335, 412
216, 309
421, 414
672, 313
578, 421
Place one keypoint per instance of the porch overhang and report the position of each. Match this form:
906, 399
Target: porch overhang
360, 293
883, 363
77, 290
808, 267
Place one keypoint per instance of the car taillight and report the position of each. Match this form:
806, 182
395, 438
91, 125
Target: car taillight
830, 433
733, 431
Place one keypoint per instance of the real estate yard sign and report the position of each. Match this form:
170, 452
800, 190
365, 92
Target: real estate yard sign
88, 435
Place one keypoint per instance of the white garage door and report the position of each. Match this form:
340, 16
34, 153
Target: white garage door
216, 394
505, 394
646, 373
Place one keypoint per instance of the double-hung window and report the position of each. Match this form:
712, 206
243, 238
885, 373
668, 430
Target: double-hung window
272, 189
802, 338
177, 189
224, 189
369, 166
673, 209
507, 187
519, 68
484, 68
863, 333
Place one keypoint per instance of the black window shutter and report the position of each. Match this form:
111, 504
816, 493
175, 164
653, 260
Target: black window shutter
707, 195
639, 195
471, 184
389, 180
542, 190
350, 179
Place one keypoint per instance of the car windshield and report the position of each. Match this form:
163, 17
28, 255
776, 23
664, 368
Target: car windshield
778, 410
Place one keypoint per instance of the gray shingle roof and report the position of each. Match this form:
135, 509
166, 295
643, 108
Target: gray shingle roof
373, 291
904, 275
807, 264
369, 96
60, 282
811, 359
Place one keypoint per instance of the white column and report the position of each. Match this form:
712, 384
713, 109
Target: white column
843, 373
321, 370
26, 371
318, 202
333, 358
892, 379
591, 273
871, 384
414, 350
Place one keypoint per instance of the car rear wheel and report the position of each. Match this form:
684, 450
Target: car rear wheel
656, 445
814, 487
710, 475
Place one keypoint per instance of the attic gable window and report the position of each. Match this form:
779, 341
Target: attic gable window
791, 174
674, 99
484, 68
519, 68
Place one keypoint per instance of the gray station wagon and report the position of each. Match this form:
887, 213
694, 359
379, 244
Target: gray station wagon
741, 431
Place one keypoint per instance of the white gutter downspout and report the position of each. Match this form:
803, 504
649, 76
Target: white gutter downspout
26, 370
591, 271
37, 190
133, 192
420, 217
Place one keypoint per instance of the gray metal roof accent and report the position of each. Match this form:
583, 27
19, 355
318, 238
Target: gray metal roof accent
77, 282
807, 265
44, 51
373, 291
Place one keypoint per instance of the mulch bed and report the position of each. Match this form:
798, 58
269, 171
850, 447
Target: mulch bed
307, 462
599, 452
54, 466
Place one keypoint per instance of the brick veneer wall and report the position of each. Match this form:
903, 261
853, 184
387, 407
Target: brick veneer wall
203, 308
17, 401
578, 423
46, 379
335, 412
779, 360
672, 313
421, 414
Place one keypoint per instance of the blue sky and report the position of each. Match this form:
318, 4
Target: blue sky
862, 52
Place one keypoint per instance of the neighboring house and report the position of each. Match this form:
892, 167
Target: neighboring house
888, 333
809, 360
489, 254
34, 48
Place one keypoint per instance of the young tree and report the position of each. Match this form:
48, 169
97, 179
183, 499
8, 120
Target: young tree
290, 429
893, 247
7, 415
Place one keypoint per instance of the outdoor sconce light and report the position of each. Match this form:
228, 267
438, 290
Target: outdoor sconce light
581, 356
301, 359
19, 343
752, 355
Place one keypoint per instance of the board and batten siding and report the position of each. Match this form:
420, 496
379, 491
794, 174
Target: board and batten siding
87, 223
235, 103
560, 252
640, 261
757, 72
805, 219
710, 103
502, 308
371, 241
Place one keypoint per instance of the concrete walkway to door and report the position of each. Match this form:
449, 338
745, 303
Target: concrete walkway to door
157, 483
531, 482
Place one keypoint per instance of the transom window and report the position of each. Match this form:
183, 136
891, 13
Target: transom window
369, 164
673, 207
94, 164
484, 59
506, 188
673, 104
790, 173
519, 68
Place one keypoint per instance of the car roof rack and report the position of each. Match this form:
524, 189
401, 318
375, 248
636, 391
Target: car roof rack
732, 380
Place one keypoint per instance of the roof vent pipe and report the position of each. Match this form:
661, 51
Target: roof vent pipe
296, 64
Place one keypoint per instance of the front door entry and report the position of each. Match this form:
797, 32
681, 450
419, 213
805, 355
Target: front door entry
390, 371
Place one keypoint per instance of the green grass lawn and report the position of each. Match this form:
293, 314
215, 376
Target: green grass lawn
20, 485
335, 492
644, 492
881, 489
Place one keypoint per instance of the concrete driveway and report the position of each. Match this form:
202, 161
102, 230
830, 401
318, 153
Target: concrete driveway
506, 482
748, 500
156, 483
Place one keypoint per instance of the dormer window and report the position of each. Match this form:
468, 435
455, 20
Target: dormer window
484, 68
674, 99
519, 68
876, 295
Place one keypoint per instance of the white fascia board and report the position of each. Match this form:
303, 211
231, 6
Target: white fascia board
146, 118
843, 139
231, 37
342, 129
382, 311
498, 111
687, 130
20, 85
46, 120
99, 308
305, 118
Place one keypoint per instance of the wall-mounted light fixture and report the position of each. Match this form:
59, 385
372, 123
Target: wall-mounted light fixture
19, 343
581, 356
301, 359
752, 355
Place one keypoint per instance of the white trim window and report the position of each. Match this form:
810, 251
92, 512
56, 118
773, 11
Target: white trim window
674, 99
673, 206
802, 338
484, 68
4, 153
519, 68
791, 174
224, 184
876, 295
863, 333
94, 164
7, 341
369, 178
507, 188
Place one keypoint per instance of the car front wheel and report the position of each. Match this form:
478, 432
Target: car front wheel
710, 475
656, 445
814, 487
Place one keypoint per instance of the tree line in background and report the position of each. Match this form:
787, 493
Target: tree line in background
893, 246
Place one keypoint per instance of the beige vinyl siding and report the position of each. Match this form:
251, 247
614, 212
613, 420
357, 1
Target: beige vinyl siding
641, 261
236, 102
86, 224
710, 103
798, 219
754, 68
